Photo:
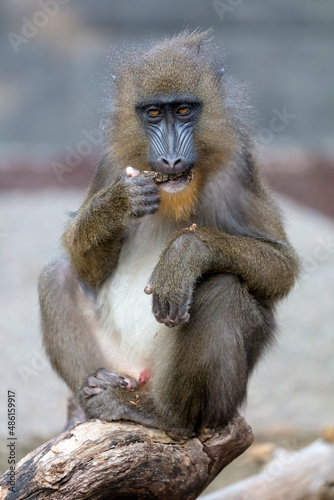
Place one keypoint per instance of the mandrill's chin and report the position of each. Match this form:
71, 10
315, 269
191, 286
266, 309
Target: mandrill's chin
174, 186
178, 201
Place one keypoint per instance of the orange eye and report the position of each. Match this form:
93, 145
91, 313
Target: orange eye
153, 112
183, 110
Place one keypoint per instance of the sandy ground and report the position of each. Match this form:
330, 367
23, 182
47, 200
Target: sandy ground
292, 390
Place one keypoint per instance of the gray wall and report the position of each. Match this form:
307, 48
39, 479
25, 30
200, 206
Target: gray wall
53, 78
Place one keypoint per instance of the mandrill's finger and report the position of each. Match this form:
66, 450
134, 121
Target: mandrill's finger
131, 172
148, 289
185, 318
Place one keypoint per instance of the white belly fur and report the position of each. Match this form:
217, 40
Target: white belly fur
128, 327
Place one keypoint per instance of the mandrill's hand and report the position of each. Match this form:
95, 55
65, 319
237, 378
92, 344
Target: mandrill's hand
174, 278
142, 193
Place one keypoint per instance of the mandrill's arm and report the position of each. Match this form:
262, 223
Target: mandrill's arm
267, 267
93, 238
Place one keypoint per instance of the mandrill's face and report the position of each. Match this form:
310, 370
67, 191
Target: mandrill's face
169, 112
169, 123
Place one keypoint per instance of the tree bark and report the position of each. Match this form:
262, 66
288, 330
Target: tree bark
102, 460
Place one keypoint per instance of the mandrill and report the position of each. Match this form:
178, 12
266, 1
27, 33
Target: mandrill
164, 298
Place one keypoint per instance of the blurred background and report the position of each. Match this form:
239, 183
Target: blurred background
56, 62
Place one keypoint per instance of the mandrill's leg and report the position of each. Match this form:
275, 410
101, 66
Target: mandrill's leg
69, 326
204, 365
201, 368
75, 413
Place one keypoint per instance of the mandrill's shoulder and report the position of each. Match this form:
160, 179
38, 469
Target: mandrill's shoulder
236, 200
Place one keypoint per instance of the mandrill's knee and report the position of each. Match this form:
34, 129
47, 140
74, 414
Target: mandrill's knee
228, 302
62, 271
57, 271
57, 275
57, 279
217, 289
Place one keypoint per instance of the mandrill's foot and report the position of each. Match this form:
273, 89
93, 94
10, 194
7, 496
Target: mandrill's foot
103, 379
110, 396
103, 394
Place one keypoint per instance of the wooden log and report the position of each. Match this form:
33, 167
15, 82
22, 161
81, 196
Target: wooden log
307, 474
102, 460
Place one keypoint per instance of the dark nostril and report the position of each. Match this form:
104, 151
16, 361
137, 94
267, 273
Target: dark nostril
171, 163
